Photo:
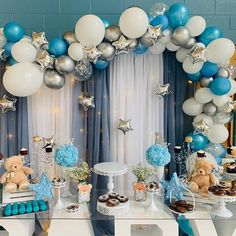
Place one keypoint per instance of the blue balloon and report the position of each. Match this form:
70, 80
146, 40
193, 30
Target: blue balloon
7, 48
101, 64
140, 49
216, 150
209, 69
13, 32
12, 61
106, 22
160, 20
220, 86
150, 18
194, 77
57, 47
199, 141
178, 15
210, 33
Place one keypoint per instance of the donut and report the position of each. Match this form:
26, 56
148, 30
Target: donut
152, 186
103, 198
189, 207
181, 203
113, 202
231, 192
122, 198
181, 209
212, 188
113, 195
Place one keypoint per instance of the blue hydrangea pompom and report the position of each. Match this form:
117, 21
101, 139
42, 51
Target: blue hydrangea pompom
67, 155
158, 155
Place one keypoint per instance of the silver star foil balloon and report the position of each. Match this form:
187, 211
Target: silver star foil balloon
48, 141
3, 56
232, 69
39, 40
160, 140
124, 126
83, 70
229, 107
163, 90
92, 53
45, 60
122, 45
154, 33
86, 101
197, 54
7, 104
200, 127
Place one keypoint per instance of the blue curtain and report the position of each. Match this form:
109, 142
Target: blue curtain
13, 124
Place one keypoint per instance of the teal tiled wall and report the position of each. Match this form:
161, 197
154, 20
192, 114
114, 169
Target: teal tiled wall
57, 16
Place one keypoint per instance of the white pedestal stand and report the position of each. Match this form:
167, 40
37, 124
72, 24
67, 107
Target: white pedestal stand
151, 205
58, 204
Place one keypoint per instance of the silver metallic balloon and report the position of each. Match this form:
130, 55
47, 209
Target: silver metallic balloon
53, 79
69, 37
112, 33
64, 65
107, 50
223, 72
205, 81
145, 41
190, 43
181, 36
83, 70
210, 109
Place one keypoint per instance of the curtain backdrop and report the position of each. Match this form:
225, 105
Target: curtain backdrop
133, 79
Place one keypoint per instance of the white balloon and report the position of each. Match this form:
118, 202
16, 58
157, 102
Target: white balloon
89, 30
208, 119
158, 48
191, 107
217, 133
220, 100
181, 54
172, 47
133, 22
191, 68
167, 36
76, 52
220, 50
196, 25
203, 95
233, 87
23, 51
23, 79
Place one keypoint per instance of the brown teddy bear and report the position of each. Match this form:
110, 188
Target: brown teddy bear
203, 176
16, 174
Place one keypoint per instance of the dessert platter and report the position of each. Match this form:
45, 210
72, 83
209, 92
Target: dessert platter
73, 209
230, 170
181, 207
152, 189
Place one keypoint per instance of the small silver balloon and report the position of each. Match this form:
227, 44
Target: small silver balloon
205, 81
112, 33
83, 70
69, 37
210, 109
154, 33
190, 43
64, 65
181, 36
145, 41
223, 72
107, 50
158, 9
53, 79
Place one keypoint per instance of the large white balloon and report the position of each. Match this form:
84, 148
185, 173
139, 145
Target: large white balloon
133, 22
23, 51
217, 133
220, 50
172, 47
233, 87
208, 119
23, 79
158, 48
196, 25
191, 107
220, 100
203, 95
75, 51
89, 30
181, 54
191, 68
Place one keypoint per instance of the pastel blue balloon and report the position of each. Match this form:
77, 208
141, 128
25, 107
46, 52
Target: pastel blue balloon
216, 150
199, 141
220, 86
160, 20
210, 33
140, 49
194, 77
13, 32
178, 15
106, 22
7, 48
57, 47
101, 64
209, 69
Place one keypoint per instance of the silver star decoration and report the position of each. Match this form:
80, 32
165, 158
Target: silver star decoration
197, 54
7, 104
92, 53
232, 69
200, 127
160, 140
163, 90
122, 45
45, 60
229, 107
3, 54
124, 126
39, 40
154, 33
48, 141
86, 101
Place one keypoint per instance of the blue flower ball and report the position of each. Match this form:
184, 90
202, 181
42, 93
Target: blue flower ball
67, 155
216, 150
158, 155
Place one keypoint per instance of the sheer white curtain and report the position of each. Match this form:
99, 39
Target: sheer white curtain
133, 79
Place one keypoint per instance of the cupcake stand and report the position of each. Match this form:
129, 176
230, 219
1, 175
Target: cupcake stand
111, 169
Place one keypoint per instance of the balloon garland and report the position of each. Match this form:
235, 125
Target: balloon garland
202, 50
